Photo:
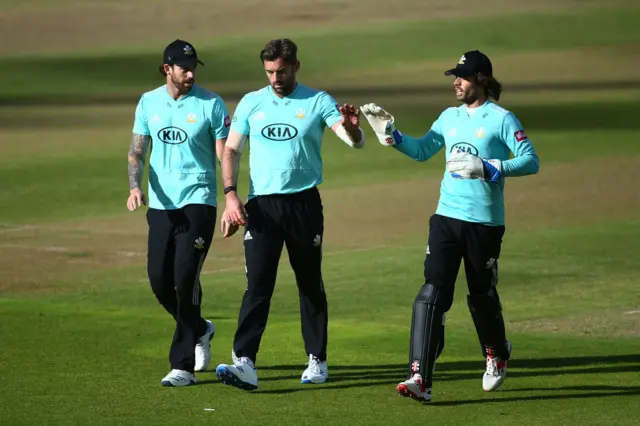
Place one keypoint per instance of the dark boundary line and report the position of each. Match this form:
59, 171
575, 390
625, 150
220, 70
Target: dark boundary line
343, 92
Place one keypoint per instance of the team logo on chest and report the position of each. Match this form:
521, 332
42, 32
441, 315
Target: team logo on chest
480, 133
191, 117
452, 132
464, 147
155, 119
172, 135
279, 132
300, 113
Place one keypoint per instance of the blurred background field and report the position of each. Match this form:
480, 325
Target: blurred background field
83, 340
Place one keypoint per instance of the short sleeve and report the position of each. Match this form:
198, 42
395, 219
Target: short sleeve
220, 121
140, 125
240, 120
436, 128
329, 110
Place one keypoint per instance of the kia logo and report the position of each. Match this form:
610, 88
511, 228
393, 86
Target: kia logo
172, 135
279, 132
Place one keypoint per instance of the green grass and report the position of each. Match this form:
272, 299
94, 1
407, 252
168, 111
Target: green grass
104, 357
91, 346
95, 165
234, 61
84, 341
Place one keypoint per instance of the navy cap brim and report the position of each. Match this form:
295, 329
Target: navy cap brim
459, 72
187, 63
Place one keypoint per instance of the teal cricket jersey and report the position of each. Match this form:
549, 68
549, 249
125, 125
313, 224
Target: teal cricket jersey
491, 132
285, 138
182, 163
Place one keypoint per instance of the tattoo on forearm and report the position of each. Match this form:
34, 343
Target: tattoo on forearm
137, 154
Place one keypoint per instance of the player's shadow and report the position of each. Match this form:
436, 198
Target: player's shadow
208, 382
354, 376
344, 372
568, 392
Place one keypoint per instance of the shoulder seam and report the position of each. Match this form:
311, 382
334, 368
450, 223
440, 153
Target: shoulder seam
499, 109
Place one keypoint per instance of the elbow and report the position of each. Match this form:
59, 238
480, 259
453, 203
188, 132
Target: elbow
535, 165
531, 167
422, 156
228, 152
133, 158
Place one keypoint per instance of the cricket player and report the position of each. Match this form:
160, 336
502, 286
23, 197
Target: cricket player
187, 126
284, 123
468, 225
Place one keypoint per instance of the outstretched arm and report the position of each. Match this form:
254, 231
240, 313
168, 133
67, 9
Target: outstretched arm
420, 149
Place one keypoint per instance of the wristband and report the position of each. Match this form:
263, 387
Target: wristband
228, 189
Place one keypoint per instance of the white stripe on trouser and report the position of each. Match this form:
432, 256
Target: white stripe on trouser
196, 284
246, 271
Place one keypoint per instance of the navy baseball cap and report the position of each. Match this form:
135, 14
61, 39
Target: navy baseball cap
181, 53
471, 63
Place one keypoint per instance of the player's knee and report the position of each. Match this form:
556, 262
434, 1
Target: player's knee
431, 294
428, 294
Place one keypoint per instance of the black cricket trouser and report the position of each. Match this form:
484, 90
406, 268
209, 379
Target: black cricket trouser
450, 242
274, 220
179, 241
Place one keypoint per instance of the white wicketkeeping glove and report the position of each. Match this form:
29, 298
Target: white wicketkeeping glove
381, 122
463, 165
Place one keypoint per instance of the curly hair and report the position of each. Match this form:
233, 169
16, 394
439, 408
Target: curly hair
491, 86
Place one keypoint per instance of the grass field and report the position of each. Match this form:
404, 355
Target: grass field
83, 340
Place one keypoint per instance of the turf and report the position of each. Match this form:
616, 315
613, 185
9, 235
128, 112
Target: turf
233, 62
106, 345
84, 341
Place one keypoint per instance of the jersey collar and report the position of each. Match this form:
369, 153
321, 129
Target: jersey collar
186, 95
463, 108
289, 96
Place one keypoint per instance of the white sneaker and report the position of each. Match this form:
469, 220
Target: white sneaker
496, 372
242, 374
414, 388
177, 378
203, 348
316, 372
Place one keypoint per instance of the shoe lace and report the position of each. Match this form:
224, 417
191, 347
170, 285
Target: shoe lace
417, 378
492, 365
314, 364
245, 361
